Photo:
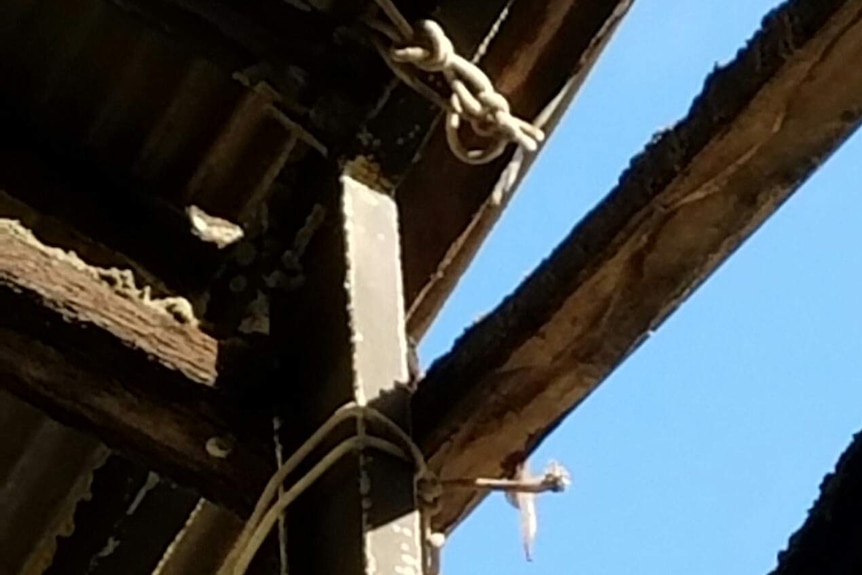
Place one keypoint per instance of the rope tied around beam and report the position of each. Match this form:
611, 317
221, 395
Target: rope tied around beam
473, 97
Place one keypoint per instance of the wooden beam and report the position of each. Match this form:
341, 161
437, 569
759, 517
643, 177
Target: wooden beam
92, 350
538, 58
138, 227
209, 527
761, 126
828, 541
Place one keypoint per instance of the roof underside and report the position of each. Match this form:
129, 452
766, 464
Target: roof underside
119, 114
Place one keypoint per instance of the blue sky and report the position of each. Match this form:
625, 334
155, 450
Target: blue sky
702, 453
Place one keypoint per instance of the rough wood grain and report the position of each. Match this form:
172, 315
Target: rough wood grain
81, 344
762, 125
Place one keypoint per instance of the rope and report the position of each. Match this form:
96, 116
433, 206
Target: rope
473, 96
282, 527
267, 513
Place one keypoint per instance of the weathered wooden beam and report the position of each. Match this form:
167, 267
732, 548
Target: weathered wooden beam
762, 125
91, 349
538, 58
65, 186
828, 541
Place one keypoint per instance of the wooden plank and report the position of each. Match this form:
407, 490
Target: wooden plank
87, 347
539, 57
761, 126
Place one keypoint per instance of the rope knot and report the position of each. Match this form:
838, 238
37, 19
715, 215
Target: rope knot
473, 97
428, 48
556, 477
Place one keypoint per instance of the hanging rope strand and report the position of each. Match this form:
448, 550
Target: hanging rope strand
473, 96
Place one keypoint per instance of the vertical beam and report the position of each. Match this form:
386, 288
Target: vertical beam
361, 517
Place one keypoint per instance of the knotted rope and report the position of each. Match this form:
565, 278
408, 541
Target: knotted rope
473, 96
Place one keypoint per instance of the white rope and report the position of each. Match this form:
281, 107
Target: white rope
267, 512
473, 96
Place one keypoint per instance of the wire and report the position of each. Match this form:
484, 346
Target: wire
269, 519
282, 528
266, 513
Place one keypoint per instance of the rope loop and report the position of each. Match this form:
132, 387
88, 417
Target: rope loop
473, 98
431, 49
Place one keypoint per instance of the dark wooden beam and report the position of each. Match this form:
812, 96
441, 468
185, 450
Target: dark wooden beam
297, 46
762, 125
109, 211
89, 348
541, 53
828, 541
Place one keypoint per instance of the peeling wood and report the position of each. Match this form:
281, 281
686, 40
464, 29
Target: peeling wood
99, 355
763, 124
